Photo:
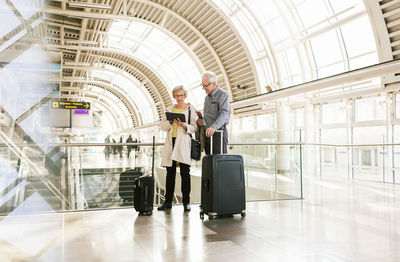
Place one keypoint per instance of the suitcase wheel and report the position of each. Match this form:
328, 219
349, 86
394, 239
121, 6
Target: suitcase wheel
201, 215
243, 214
210, 217
145, 213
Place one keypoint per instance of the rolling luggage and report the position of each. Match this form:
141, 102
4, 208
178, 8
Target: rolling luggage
144, 191
127, 184
222, 185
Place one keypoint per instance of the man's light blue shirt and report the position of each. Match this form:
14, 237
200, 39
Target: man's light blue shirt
217, 109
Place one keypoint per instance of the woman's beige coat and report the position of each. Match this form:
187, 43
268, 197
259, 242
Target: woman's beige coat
181, 152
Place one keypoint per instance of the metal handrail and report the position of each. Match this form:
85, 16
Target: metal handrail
82, 144
230, 144
310, 144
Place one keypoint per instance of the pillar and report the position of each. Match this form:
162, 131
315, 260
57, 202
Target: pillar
310, 166
283, 135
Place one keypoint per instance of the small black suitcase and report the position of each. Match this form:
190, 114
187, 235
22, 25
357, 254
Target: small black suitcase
127, 184
222, 186
144, 195
144, 191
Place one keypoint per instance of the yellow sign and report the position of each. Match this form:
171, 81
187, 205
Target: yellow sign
71, 105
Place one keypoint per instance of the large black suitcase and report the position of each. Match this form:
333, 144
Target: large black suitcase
144, 191
127, 184
222, 186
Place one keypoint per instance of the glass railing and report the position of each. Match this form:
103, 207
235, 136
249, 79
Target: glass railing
372, 162
273, 171
87, 176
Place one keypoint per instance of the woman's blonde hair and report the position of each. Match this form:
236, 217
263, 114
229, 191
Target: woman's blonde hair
177, 89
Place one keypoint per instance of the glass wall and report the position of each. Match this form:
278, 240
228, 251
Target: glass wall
334, 160
292, 42
369, 162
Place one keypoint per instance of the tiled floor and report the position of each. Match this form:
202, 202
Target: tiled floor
337, 221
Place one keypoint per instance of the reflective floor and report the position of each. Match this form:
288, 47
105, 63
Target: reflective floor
337, 221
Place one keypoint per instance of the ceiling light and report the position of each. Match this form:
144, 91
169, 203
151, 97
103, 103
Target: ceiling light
76, 64
89, 5
73, 78
83, 42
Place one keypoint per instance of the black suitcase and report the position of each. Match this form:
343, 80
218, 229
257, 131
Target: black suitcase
144, 191
144, 195
127, 184
222, 186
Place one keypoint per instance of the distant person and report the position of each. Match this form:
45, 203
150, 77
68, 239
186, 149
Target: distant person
177, 148
114, 148
135, 147
216, 111
129, 147
107, 149
138, 149
120, 147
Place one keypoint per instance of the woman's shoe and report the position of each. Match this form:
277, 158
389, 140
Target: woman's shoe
164, 207
186, 207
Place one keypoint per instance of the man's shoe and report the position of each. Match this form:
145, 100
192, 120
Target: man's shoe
186, 207
164, 207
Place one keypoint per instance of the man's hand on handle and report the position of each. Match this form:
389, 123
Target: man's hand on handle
210, 132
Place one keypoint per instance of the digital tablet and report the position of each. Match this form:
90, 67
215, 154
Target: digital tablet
171, 116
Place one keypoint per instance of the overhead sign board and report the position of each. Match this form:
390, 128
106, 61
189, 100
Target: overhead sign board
70, 105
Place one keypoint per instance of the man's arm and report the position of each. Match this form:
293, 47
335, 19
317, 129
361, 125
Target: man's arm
223, 115
224, 112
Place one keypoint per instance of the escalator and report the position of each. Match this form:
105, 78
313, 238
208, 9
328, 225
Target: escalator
31, 180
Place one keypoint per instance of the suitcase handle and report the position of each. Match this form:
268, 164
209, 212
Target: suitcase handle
206, 184
146, 193
222, 141
152, 161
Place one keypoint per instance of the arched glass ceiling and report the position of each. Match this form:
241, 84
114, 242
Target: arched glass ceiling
110, 119
133, 90
161, 53
119, 109
294, 41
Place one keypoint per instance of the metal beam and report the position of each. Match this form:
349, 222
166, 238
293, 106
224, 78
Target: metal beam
85, 14
369, 72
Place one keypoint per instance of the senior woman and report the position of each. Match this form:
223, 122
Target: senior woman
177, 148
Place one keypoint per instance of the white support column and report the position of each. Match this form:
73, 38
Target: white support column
308, 137
349, 137
389, 138
316, 132
283, 125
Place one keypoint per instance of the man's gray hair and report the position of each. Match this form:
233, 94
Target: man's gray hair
211, 76
177, 89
